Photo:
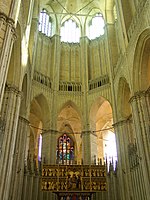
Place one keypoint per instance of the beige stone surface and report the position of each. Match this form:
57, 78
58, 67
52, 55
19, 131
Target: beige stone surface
90, 90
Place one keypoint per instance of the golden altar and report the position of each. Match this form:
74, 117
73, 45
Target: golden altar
63, 179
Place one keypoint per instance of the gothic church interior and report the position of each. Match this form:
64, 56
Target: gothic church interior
75, 92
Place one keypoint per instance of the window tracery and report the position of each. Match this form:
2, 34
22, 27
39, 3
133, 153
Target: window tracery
65, 150
45, 23
96, 26
70, 32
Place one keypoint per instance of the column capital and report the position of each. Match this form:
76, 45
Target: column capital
119, 123
24, 120
122, 122
84, 37
148, 91
10, 21
3, 17
138, 95
14, 89
51, 131
35, 19
14, 35
55, 36
83, 133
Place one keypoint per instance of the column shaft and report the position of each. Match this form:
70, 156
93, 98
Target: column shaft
86, 134
10, 115
8, 40
55, 86
18, 166
46, 145
140, 110
123, 161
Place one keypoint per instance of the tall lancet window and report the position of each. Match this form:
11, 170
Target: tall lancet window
65, 150
70, 32
45, 23
40, 148
96, 26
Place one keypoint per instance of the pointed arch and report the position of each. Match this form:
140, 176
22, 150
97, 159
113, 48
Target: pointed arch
40, 109
94, 14
69, 118
65, 149
39, 121
51, 12
69, 122
141, 64
103, 145
70, 30
127, 13
98, 108
73, 105
14, 71
123, 97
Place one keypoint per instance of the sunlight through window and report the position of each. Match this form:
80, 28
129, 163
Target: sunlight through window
40, 148
70, 32
96, 27
45, 25
109, 145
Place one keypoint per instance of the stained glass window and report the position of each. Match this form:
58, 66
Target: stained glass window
65, 150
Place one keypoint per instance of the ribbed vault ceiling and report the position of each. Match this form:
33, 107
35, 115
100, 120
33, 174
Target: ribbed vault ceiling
76, 7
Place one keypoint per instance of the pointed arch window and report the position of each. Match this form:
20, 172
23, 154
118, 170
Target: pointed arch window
65, 150
70, 32
45, 23
96, 26
40, 147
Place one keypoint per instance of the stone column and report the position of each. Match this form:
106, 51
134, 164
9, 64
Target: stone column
136, 4
112, 190
122, 135
46, 145
2, 125
141, 119
86, 134
56, 45
53, 147
10, 114
18, 165
49, 142
7, 32
147, 98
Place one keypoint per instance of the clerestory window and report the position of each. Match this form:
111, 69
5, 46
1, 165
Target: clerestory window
45, 23
96, 26
70, 32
